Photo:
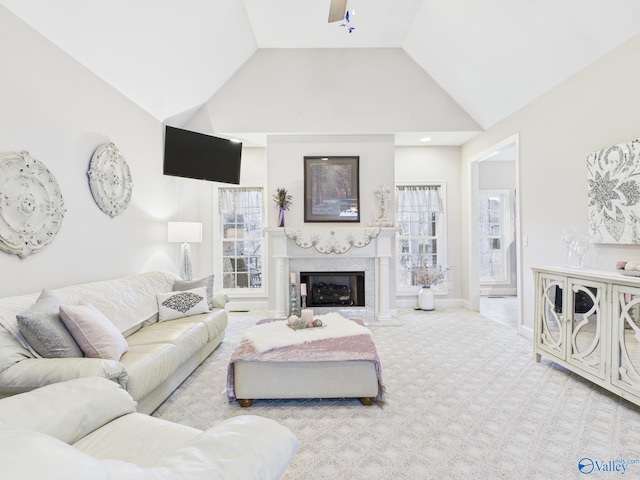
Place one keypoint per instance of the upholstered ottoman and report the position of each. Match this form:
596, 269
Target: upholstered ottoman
338, 360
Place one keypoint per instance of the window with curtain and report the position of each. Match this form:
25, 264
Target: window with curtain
242, 220
420, 217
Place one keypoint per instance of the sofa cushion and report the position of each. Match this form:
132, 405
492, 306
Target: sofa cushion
149, 365
68, 410
43, 329
206, 282
188, 335
180, 304
96, 335
28, 454
138, 428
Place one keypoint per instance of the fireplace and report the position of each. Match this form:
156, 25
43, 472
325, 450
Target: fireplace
334, 289
332, 249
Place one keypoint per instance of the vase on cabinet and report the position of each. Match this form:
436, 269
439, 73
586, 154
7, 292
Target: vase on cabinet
281, 217
425, 299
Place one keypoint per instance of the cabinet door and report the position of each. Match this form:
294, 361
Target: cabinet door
587, 326
550, 324
625, 372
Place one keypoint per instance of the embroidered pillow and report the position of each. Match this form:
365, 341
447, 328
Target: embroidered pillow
93, 331
206, 282
180, 304
43, 329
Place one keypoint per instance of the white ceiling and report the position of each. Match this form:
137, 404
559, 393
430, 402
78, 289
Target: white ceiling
491, 56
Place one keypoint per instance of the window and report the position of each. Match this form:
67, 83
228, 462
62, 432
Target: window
493, 221
420, 217
241, 219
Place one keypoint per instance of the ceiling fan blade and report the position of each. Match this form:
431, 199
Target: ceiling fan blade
337, 10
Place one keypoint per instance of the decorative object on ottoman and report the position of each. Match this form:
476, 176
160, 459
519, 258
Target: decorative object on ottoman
32, 205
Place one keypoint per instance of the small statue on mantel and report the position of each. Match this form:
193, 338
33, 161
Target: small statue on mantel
382, 195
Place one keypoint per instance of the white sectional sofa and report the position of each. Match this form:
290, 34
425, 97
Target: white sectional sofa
87, 428
159, 354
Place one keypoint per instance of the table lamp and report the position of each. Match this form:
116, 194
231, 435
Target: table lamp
185, 233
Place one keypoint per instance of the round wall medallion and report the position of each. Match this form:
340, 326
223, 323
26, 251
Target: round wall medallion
110, 180
31, 205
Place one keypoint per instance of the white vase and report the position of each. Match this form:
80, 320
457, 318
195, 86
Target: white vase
425, 299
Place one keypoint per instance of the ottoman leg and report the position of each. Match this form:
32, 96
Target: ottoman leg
245, 402
366, 401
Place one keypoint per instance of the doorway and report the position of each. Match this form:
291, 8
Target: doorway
495, 276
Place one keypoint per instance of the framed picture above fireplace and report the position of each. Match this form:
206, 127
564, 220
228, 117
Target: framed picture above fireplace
331, 189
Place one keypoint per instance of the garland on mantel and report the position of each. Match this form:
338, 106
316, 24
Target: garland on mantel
336, 241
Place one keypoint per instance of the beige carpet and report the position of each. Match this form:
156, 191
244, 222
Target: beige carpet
465, 400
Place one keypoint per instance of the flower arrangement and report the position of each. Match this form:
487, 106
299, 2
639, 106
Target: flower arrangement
428, 276
282, 198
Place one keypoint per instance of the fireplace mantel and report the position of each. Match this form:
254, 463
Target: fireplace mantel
376, 243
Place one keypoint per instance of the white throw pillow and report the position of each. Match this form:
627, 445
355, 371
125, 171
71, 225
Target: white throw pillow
174, 305
93, 331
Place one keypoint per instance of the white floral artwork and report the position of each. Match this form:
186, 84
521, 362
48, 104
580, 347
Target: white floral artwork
110, 180
613, 176
31, 204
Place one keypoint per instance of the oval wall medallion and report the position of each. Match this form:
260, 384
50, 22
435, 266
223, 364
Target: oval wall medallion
110, 180
31, 205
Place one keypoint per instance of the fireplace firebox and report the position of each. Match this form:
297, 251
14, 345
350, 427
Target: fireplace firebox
332, 289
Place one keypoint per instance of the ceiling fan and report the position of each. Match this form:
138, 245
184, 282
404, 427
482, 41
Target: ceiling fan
337, 10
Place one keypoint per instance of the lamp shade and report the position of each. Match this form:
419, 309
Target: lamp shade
185, 232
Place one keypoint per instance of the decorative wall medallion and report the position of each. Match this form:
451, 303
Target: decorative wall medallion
31, 205
613, 176
110, 180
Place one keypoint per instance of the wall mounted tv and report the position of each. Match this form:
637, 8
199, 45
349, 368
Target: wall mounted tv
203, 157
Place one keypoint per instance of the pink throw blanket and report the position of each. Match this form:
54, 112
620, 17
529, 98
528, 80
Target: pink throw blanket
357, 347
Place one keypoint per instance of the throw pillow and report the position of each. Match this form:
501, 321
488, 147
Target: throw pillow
93, 331
174, 305
45, 332
206, 282
219, 300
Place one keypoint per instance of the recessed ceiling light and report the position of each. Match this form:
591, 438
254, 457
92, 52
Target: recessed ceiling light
425, 139
234, 140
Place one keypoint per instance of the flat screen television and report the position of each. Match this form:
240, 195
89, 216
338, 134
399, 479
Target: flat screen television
203, 157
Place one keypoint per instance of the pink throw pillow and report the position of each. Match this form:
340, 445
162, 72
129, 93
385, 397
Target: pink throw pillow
94, 333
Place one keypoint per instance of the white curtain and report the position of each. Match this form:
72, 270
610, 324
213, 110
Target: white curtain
418, 198
240, 200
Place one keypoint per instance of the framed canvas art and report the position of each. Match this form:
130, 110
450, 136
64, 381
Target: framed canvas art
613, 176
331, 189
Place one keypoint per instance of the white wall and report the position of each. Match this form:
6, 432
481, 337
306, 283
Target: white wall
438, 164
342, 90
60, 112
595, 108
285, 157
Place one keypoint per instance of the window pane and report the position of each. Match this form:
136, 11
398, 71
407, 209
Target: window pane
242, 224
418, 213
492, 251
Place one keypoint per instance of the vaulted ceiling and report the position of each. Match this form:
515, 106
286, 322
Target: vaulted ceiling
491, 57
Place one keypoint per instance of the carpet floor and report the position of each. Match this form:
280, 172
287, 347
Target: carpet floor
464, 400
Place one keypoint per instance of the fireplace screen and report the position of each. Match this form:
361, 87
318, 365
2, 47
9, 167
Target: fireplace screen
327, 289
